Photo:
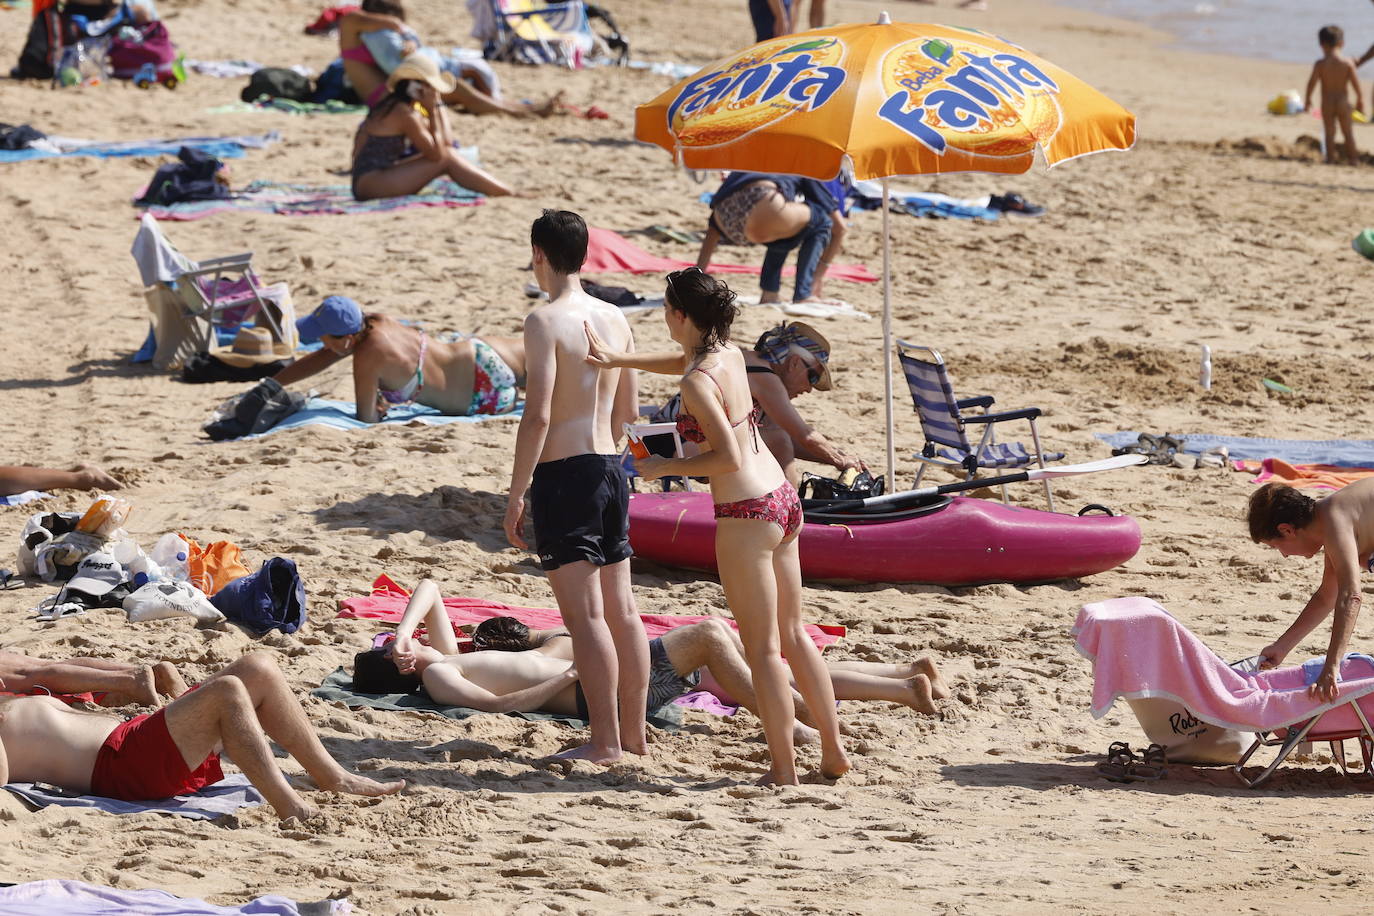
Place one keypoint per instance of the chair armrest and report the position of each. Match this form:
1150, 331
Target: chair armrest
1025, 413
983, 400
211, 265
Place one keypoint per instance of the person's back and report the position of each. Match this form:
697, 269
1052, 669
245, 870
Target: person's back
1337, 76
584, 398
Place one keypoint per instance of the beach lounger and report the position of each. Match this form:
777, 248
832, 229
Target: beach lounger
189, 299
1139, 651
533, 31
944, 423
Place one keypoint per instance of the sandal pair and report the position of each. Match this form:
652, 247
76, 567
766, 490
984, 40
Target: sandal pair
1123, 765
1158, 449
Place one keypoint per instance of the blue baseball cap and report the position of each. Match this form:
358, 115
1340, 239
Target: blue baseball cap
336, 316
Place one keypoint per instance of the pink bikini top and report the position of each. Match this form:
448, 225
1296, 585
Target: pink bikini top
688, 427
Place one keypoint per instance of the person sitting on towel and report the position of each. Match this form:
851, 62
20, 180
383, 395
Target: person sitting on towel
406, 141
1296, 525
114, 683
395, 363
22, 478
781, 212
175, 751
534, 670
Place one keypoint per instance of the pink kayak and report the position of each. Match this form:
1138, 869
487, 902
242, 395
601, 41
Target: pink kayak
966, 542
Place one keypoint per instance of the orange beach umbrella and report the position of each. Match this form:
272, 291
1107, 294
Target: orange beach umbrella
892, 98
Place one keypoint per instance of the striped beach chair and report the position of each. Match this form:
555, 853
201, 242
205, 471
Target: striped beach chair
944, 423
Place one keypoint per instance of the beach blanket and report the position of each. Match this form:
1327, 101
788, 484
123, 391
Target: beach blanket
77, 898
1325, 476
924, 203
290, 106
1345, 453
28, 496
388, 602
219, 147
609, 252
286, 199
1139, 651
344, 415
224, 797
339, 687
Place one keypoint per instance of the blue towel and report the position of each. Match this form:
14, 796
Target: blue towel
219, 147
28, 496
77, 898
1312, 668
224, 797
1346, 453
344, 415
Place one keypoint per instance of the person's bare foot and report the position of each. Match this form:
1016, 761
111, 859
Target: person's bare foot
301, 811
590, 753
772, 778
804, 734
922, 696
353, 784
938, 688
145, 688
168, 680
552, 105
835, 765
90, 477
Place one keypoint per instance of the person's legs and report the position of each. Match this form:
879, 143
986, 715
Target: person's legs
1347, 123
814, 239
411, 177
133, 683
631, 653
744, 550
168, 680
577, 589
770, 276
916, 691
922, 665
1329, 132
18, 479
813, 681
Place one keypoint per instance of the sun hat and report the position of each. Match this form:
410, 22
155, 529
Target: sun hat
422, 68
335, 316
252, 346
1364, 243
775, 344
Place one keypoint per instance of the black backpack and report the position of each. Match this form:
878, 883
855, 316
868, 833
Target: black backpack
190, 178
278, 83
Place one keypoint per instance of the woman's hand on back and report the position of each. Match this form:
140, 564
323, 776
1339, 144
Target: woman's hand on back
598, 354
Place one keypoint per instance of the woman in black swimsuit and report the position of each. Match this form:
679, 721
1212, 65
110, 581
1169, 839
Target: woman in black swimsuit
406, 142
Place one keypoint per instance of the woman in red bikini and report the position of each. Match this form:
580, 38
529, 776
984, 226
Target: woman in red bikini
758, 513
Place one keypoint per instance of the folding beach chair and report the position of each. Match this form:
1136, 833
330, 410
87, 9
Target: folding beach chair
943, 422
189, 299
533, 31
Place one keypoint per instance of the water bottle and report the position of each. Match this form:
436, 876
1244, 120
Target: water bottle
142, 570
1204, 377
171, 553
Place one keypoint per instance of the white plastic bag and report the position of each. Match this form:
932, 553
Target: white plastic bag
160, 600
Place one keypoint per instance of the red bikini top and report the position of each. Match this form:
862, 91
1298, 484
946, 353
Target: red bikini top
688, 427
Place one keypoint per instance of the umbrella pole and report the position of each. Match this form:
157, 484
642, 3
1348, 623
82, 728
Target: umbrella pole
887, 345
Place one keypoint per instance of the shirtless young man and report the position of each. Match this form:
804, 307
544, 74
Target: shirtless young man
120, 682
175, 750
1336, 74
1296, 525
529, 670
579, 500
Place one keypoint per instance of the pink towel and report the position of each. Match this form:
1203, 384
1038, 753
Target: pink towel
1139, 651
608, 252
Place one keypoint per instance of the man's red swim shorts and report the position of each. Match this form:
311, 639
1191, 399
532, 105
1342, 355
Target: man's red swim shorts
140, 761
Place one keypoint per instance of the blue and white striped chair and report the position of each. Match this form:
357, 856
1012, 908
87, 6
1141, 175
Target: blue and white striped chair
943, 422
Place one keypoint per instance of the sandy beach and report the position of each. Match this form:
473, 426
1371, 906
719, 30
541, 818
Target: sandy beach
1220, 227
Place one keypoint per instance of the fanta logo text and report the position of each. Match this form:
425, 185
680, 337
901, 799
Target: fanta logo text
985, 83
797, 80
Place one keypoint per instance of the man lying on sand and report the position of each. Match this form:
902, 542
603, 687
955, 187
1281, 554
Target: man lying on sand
120, 683
176, 749
535, 671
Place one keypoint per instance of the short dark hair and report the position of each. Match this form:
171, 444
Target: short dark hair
374, 671
562, 236
504, 634
1330, 35
1277, 504
708, 302
385, 8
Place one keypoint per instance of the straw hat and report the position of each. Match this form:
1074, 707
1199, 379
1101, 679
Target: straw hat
422, 67
252, 346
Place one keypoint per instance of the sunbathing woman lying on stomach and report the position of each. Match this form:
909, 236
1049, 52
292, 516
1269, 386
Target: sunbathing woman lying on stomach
406, 141
534, 669
394, 363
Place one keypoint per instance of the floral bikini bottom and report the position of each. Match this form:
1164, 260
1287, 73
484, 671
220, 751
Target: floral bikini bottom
782, 507
493, 383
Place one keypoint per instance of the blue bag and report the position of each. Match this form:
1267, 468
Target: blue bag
273, 598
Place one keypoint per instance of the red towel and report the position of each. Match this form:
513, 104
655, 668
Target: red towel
388, 602
608, 252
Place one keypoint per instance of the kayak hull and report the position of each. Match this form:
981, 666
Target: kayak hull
970, 541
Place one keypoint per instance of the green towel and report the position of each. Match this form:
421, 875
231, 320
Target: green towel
339, 686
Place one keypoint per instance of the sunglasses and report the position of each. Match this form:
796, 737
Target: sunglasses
678, 274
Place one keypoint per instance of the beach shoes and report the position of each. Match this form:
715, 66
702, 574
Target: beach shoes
1122, 764
1158, 449
1364, 243
1216, 457
1012, 202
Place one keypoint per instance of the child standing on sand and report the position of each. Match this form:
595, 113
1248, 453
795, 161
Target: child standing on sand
1335, 71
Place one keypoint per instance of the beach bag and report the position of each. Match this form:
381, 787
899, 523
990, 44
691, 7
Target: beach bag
44, 528
332, 85
126, 57
1187, 738
273, 598
213, 566
193, 177
860, 486
277, 83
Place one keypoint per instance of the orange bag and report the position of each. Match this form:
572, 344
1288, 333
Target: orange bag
215, 565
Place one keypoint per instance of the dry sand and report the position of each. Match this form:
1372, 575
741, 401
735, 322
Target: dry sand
1093, 312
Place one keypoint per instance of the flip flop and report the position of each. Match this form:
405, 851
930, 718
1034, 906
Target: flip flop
1117, 766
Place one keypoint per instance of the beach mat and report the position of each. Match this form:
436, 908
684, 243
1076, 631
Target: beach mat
53, 897
219, 147
609, 252
287, 199
1345, 453
344, 415
28, 496
224, 797
338, 687
388, 603
1324, 476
